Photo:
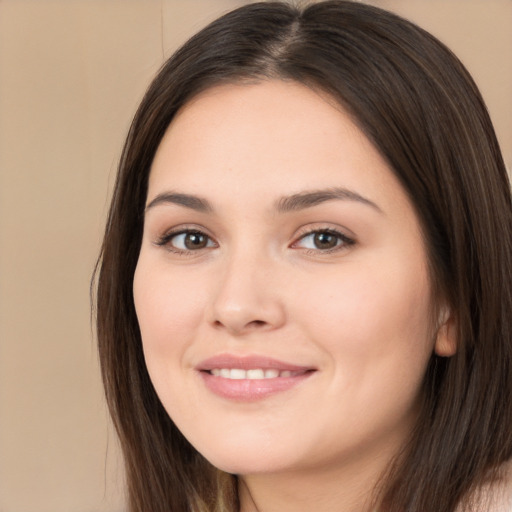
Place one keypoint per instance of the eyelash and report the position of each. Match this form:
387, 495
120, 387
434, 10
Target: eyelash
165, 240
343, 241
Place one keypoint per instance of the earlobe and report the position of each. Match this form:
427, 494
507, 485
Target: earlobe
446, 342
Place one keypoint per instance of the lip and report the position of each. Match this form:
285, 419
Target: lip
248, 390
248, 362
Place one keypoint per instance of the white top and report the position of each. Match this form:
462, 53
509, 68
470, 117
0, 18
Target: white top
497, 497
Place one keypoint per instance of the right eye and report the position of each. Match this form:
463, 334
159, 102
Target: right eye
186, 241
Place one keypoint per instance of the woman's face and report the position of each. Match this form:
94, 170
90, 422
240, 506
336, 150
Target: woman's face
282, 288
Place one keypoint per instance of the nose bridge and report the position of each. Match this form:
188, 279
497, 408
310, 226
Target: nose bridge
247, 296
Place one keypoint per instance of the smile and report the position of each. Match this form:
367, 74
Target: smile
254, 374
250, 378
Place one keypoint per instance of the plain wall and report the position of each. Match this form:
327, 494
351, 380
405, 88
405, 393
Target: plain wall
71, 75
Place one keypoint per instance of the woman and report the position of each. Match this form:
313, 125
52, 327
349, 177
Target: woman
304, 288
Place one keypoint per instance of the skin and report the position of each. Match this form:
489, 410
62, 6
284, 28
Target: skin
358, 313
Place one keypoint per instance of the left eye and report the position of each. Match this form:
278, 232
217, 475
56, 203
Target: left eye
190, 241
323, 240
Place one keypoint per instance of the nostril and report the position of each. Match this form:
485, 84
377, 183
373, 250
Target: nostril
241, 327
258, 323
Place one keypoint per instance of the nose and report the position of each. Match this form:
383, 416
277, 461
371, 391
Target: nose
248, 296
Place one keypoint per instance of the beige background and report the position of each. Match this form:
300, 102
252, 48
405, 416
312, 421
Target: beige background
71, 74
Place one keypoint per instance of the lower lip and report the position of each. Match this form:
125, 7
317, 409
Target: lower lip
250, 390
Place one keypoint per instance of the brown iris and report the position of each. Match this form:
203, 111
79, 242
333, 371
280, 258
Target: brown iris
194, 241
325, 240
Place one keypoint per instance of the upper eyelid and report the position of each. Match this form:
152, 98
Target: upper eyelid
317, 227
184, 228
168, 234
347, 240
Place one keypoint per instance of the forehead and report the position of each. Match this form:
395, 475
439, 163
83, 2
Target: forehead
260, 138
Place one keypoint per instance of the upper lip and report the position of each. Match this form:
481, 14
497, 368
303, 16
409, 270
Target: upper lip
248, 362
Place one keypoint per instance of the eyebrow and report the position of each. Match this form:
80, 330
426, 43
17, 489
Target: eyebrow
188, 201
309, 199
298, 201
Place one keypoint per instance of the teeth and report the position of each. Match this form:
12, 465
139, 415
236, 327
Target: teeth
271, 374
235, 373
256, 373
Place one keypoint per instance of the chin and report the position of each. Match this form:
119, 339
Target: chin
236, 466
245, 460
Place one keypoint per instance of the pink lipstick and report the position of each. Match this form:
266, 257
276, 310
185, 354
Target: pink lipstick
250, 378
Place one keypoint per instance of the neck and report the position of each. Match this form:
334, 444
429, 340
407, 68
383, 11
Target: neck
352, 488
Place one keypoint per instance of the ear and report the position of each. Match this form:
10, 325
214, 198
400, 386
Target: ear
446, 340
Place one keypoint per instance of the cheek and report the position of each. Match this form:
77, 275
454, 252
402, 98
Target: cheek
168, 310
378, 320
373, 328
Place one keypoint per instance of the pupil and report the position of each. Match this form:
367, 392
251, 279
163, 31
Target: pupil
325, 240
195, 241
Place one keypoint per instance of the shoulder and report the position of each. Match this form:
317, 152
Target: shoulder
496, 497
506, 485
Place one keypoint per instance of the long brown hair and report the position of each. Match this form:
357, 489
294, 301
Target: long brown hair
418, 105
